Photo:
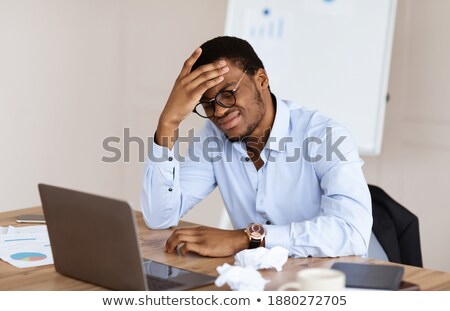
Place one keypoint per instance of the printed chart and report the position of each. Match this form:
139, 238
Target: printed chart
25, 247
28, 256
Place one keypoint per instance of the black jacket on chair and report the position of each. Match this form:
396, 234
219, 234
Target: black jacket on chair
396, 228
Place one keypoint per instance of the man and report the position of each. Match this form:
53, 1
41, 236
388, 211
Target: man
288, 176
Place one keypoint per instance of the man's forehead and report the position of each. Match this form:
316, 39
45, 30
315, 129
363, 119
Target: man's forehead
230, 80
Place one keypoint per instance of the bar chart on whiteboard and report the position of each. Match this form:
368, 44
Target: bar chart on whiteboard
266, 30
260, 24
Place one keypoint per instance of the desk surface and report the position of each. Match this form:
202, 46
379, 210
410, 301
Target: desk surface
152, 244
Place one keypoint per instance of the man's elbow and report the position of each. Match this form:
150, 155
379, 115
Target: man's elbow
156, 224
361, 242
360, 249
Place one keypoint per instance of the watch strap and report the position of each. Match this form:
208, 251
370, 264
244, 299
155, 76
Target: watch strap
254, 244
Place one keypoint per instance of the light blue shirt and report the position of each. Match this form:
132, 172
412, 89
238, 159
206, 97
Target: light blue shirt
311, 199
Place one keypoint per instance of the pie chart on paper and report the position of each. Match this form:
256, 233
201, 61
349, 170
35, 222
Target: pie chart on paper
28, 256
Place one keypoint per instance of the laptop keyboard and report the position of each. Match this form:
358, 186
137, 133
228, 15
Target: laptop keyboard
155, 283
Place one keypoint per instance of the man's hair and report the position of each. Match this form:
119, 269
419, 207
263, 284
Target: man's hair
236, 50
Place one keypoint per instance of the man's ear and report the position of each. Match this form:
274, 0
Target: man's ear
261, 79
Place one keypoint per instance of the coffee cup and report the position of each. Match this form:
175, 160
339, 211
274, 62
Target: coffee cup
316, 279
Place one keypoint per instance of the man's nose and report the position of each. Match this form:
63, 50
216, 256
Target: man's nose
219, 111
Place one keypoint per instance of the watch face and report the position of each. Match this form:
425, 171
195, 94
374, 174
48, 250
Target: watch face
256, 231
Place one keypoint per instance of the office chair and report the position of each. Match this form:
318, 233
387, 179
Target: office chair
395, 228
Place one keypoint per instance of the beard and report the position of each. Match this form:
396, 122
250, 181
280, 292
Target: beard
250, 127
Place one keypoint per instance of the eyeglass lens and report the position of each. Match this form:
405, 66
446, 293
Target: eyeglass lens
225, 99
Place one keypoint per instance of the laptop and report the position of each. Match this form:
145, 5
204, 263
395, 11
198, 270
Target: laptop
94, 239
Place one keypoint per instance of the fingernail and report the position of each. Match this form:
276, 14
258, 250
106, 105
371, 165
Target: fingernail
222, 62
225, 69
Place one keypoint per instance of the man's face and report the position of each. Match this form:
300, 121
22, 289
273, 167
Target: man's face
243, 118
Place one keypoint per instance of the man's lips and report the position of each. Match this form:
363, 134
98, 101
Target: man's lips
229, 121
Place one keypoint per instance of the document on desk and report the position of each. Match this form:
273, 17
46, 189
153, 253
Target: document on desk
25, 247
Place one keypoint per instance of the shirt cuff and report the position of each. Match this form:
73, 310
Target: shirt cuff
278, 235
160, 154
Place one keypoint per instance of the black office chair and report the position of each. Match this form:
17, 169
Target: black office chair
395, 228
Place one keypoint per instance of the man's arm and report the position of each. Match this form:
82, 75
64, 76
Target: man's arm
186, 93
190, 182
173, 185
164, 199
345, 223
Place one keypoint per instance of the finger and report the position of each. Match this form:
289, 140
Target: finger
178, 238
171, 244
191, 247
207, 68
209, 75
202, 88
187, 66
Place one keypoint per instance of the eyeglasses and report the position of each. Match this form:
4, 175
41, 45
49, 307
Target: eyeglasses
225, 99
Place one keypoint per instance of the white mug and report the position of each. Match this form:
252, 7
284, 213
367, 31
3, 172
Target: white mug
317, 279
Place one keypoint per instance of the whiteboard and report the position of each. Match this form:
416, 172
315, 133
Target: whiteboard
329, 55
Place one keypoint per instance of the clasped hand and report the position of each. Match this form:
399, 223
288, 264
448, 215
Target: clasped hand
207, 241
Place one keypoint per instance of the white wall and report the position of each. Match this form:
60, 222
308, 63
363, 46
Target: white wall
59, 96
76, 72
73, 72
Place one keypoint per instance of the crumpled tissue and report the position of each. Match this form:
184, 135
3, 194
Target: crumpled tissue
244, 275
262, 258
240, 278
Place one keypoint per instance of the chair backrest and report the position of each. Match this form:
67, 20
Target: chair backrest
396, 229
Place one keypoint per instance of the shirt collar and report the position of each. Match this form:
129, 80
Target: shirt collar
280, 128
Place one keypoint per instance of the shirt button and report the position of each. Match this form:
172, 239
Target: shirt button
170, 189
247, 159
170, 158
268, 222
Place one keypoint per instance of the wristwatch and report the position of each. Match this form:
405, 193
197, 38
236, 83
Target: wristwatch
256, 234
